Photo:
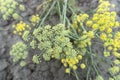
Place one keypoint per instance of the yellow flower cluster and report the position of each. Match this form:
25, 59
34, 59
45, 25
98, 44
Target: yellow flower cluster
35, 19
82, 42
20, 27
114, 70
84, 35
71, 63
79, 18
116, 41
104, 21
112, 41
84, 39
103, 6
100, 25
82, 17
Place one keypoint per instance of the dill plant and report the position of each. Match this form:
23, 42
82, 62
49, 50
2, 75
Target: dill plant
71, 42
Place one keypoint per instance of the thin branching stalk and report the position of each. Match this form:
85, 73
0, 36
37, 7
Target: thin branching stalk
64, 11
70, 25
43, 20
73, 12
81, 24
88, 72
59, 9
76, 75
93, 64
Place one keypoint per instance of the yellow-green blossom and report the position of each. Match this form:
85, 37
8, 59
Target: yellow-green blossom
20, 27
35, 19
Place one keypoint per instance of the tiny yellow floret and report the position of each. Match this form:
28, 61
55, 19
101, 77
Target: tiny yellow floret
67, 70
82, 66
35, 19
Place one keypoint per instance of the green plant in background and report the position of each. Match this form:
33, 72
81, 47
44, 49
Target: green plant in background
8, 9
72, 42
19, 52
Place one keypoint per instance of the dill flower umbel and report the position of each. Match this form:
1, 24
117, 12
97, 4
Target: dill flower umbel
82, 17
89, 23
103, 36
19, 52
35, 19
20, 27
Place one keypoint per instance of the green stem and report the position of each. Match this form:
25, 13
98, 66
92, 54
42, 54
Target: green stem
97, 35
52, 6
76, 75
95, 69
91, 56
81, 24
88, 72
68, 21
70, 25
93, 64
99, 43
59, 9
70, 36
64, 11
71, 9
41, 14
